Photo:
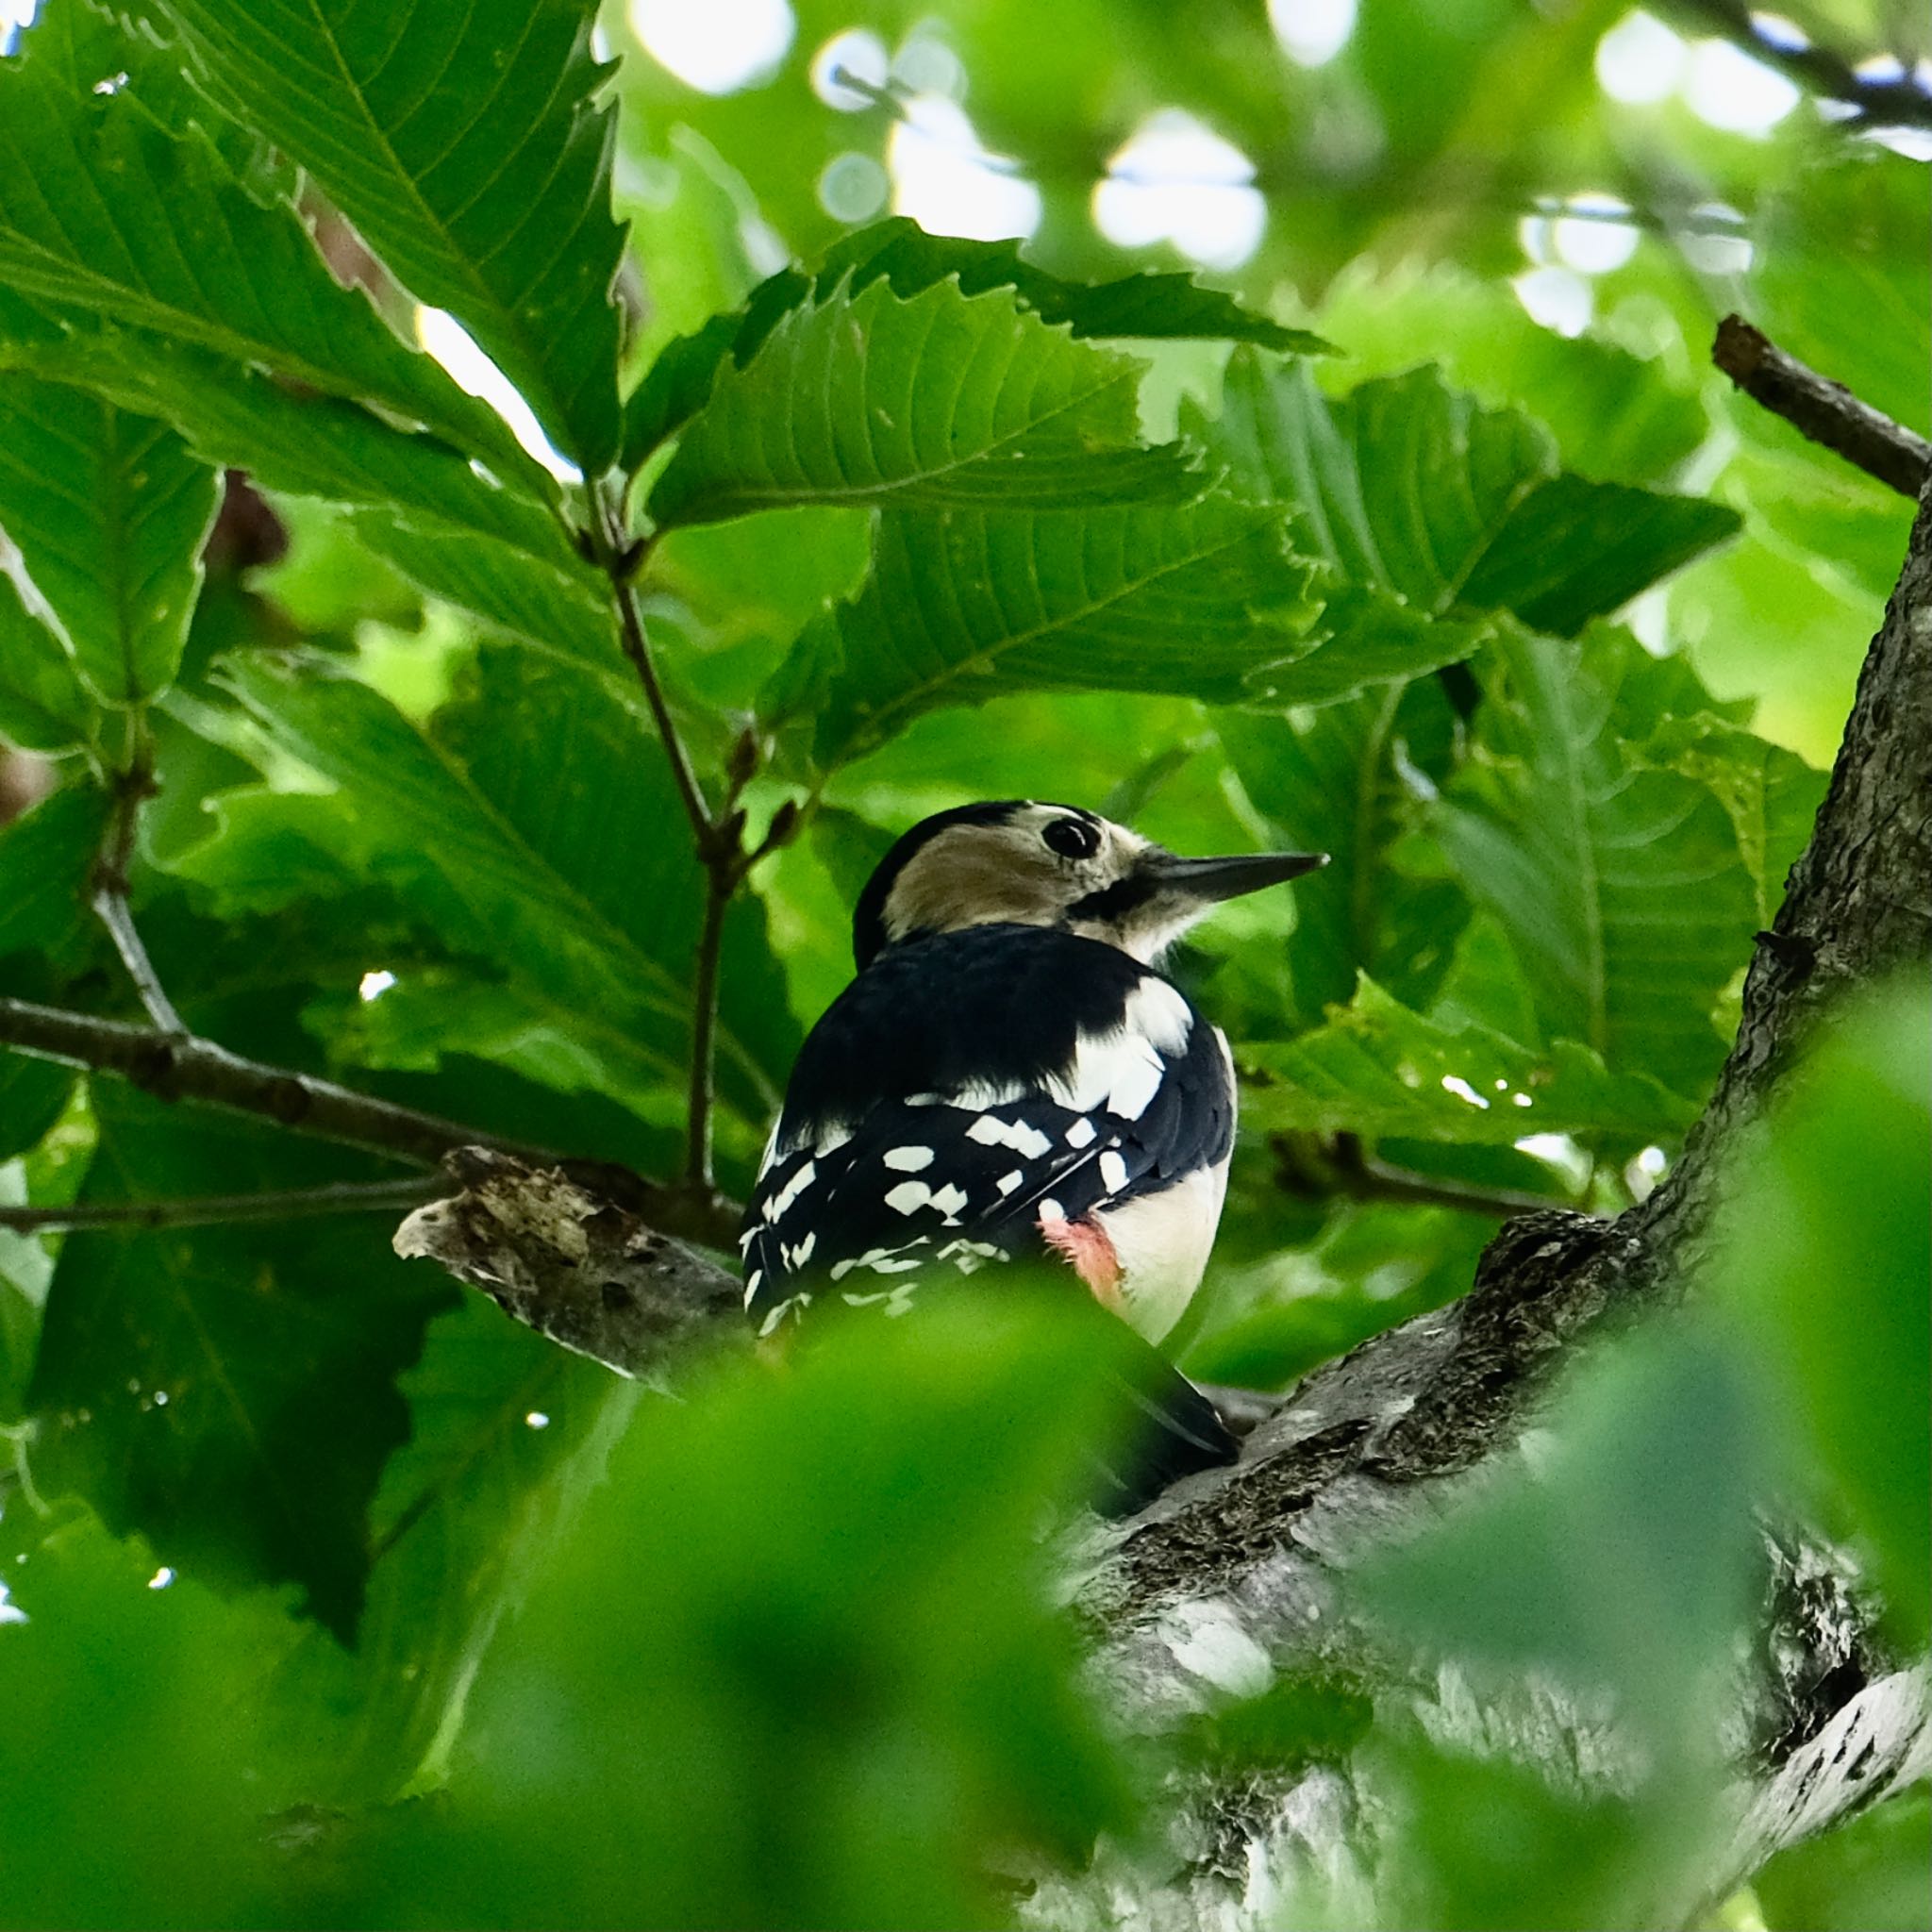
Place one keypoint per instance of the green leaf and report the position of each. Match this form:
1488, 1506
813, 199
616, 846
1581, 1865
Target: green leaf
549, 604
901, 254
1576, 550
1409, 487
227, 1391
942, 400
46, 863
1836, 1191
108, 511
1621, 886
152, 1680
967, 605
466, 148
1842, 281
1772, 794
104, 213
1866, 1875
302, 446
565, 872
678, 384
32, 1095
1363, 639
43, 704
1349, 780
1847, 526
1150, 306
1377, 1068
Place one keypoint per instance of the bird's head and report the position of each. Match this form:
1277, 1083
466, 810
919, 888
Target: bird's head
1021, 863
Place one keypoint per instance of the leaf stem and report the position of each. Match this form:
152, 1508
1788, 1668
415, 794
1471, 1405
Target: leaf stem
132, 787
208, 1210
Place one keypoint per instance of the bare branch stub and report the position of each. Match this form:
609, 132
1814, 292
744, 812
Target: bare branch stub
1824, 411
589, 1274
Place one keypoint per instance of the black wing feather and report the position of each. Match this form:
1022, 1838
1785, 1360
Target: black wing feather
889, 1177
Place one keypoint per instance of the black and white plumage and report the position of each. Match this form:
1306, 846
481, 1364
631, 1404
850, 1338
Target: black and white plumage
1009, 1077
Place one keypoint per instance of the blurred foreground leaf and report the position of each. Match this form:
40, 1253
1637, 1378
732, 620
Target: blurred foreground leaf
1869, 1876
1830, 1254
794, 1666
1612, 1572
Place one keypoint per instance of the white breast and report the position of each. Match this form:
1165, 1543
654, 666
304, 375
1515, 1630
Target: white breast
1163, 1239
1163, 1242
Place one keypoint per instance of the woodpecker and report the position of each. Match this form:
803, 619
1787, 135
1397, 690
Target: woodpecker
1011, 1076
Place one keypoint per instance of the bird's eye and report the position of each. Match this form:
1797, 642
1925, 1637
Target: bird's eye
1072, 838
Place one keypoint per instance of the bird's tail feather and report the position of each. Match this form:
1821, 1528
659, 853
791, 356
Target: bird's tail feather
1175, 1431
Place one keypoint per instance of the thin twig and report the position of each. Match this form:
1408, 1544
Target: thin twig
704, 1029
209, 1210
1825, 411
620, 566
132, 787
1896, 102
718, 840
184, 1067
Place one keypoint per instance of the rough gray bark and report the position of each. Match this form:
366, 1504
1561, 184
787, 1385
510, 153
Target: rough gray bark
1239, 1573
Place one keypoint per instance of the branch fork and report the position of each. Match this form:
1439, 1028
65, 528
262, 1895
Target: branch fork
717, 836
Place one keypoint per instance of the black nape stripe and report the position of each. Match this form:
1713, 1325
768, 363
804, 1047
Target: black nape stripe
1116, 901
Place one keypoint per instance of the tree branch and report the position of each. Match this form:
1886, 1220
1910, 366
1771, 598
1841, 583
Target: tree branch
718, 837
1825, 411
703, 1030
1899, 101
213, 1210
1364, 1447
131, 789
186, 1067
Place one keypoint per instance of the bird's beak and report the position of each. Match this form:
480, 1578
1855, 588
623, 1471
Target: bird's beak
1208, 881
